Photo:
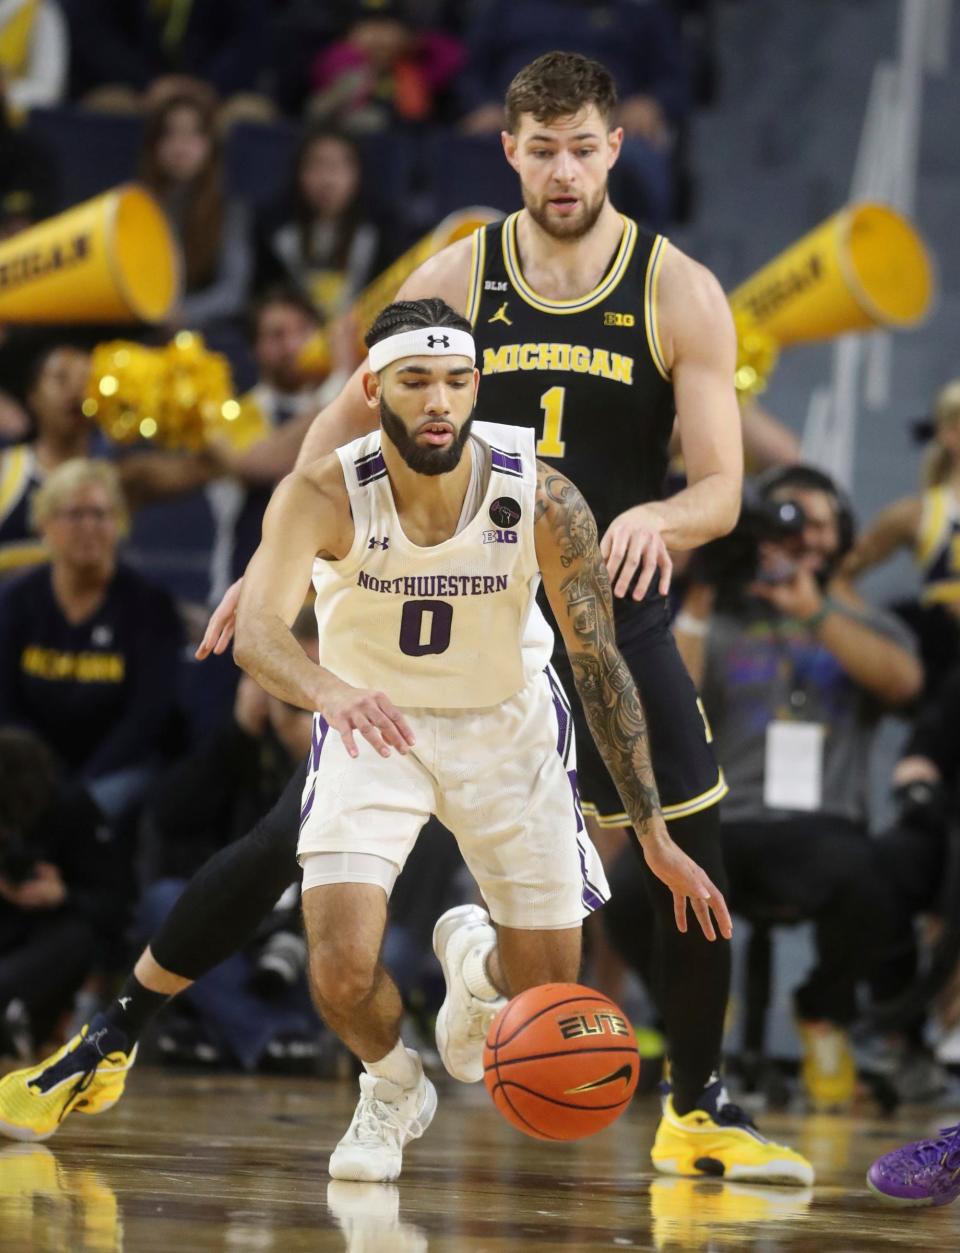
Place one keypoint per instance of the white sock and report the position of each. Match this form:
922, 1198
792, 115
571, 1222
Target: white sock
400, 1066
475, 972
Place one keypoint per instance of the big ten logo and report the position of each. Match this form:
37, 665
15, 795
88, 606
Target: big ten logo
619, 319
600, 1023
499, 537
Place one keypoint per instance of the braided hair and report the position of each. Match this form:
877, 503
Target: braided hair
411, 315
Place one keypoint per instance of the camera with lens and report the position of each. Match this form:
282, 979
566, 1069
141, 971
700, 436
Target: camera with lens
732, 562
280, 963
922, 805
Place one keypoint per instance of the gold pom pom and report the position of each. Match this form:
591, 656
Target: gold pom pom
179, 396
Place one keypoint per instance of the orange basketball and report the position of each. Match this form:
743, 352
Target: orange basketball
561, 1062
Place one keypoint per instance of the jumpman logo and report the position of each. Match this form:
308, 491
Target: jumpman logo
379, 543
124, 1001
501, 315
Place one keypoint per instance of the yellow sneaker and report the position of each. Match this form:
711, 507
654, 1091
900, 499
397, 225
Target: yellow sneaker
722, 1142
828, 1071
80, 1076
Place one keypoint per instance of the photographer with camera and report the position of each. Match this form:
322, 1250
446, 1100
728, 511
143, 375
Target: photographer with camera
795, 673
55, 892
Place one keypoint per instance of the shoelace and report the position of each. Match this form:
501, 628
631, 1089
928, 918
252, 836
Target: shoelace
373, 1120
480, 1014
76, 1092
66, 1067
943, 1151
82, 1060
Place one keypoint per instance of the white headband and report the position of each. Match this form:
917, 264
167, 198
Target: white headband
427, 341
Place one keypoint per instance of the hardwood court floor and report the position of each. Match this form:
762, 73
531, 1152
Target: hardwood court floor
239, 1164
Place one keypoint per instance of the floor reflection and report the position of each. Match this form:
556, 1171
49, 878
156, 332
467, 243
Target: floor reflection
47, 1206
368, 1214
694, 1214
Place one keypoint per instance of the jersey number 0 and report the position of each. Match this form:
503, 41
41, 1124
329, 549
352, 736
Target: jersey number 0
425, 627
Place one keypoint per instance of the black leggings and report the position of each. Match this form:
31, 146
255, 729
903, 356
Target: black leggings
230, 895
688, 975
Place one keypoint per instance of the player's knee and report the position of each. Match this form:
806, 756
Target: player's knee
341, 980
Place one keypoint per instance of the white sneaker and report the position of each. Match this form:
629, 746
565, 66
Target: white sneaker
386, 1118
463, 1019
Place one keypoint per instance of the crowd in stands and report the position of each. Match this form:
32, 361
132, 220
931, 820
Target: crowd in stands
297, 149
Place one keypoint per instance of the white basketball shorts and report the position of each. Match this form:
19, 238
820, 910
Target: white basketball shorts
503, 780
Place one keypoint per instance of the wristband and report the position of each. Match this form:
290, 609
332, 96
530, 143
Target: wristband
690, 625
816, 620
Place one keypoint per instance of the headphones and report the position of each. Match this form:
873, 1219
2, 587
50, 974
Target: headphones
809, 478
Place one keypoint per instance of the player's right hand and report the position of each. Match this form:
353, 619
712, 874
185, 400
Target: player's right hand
222, 624
373, 715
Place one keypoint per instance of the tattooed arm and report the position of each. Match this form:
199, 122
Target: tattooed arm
578, 588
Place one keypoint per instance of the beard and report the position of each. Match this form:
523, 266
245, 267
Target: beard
423, 459
574, 228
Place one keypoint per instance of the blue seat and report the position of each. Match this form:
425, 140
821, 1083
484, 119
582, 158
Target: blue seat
258, 161
92, 151
463, 170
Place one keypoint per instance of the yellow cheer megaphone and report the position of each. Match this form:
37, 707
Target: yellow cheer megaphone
866, 266
315, 357
110, 259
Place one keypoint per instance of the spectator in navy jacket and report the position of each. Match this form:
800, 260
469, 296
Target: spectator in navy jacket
88, 649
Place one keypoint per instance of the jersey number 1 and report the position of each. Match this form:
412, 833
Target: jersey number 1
551, 402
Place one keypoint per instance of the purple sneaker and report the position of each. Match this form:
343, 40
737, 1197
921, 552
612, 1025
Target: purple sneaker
924, 1173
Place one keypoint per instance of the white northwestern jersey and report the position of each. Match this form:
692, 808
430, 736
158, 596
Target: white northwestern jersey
455, 625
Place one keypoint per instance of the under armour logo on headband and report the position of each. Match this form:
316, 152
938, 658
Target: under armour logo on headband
425, 341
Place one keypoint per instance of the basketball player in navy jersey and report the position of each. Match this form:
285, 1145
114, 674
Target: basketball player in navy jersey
596, 333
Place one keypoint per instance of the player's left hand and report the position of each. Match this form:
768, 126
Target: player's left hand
688, 882
633, 541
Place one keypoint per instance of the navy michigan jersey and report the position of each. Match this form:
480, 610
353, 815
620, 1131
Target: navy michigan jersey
588, 374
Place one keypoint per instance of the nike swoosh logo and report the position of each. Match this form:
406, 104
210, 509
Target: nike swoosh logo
625, 1073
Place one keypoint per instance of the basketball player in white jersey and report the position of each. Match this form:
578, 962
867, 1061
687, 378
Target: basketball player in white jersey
577, 278
427, 540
